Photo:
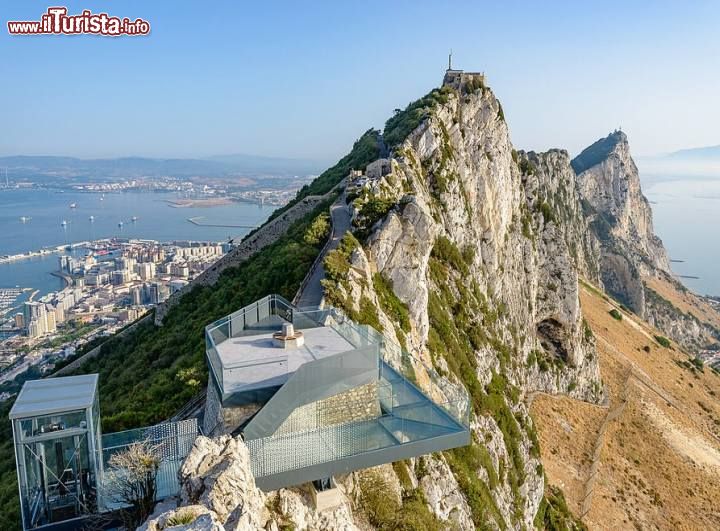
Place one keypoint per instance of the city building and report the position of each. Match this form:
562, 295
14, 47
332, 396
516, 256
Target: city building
35, 319
120, 277
136, 295
146, 270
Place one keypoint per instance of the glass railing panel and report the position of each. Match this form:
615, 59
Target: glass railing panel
219, 333
215, 365
304, 319
274, 455
385, 397
263, 308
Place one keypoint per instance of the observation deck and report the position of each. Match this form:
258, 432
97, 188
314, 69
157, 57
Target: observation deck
343, 399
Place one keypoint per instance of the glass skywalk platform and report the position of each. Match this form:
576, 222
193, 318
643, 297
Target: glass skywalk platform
347, 399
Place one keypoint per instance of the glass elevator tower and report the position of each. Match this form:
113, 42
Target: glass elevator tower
58, 449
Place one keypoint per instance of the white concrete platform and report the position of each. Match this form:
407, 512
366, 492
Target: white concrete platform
253, 362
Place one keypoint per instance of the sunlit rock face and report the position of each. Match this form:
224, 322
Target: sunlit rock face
621, 218
514, 225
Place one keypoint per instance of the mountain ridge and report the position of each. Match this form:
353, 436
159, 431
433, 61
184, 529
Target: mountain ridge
53, 167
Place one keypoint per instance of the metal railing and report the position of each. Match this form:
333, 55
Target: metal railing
170, 442
252, 320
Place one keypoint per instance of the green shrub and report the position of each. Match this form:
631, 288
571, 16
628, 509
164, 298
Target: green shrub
554, 514
373, 209
364, 151
406, 121
402, 471
182, 517
465, 467
446, 251
393, 307
616, 314
377, 499
415, 514
319, 230
527, 167
368, 314
547, 212
337, 262
698, 364
386, 513
663, 341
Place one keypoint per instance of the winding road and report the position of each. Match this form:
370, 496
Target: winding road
312, 292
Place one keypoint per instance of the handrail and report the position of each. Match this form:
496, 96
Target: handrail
189, 406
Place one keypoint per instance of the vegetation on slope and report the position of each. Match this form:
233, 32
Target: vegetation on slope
404, 122
146, 376
462, 321
386, 513
365, 150
149, 374
554, 514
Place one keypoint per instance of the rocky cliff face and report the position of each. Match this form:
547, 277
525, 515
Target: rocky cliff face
621, 219
219, 493
482, 245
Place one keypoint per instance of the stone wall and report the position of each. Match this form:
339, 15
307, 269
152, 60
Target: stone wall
357, 404
212, 416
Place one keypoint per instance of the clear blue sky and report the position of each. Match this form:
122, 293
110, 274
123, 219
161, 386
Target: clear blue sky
304, 79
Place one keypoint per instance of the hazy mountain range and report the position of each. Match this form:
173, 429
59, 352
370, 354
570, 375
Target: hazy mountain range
52, 168
701, 162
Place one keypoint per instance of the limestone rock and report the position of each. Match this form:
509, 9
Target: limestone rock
515, 226
621, 219
443, 494
201, 519
217, 475
218, 488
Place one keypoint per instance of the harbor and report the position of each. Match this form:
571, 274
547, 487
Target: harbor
42, 252
198, 221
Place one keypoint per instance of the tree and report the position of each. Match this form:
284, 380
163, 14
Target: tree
132, 478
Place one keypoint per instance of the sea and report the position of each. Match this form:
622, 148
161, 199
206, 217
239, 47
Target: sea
46, 210
686, 215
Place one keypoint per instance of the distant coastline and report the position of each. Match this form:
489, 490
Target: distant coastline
199, 203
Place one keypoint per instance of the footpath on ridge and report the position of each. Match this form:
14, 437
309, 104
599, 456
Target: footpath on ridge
310, 293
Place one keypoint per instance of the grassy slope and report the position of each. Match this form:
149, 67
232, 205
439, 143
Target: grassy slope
659, 464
